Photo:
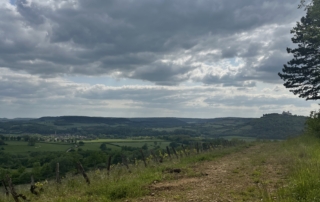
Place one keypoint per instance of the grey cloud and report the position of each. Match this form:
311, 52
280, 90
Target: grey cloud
23, 94
272, 64
166, 97
228, 80
257, 101
30, 13
22, 86
263, 56
161, 73
146, 94
130, 38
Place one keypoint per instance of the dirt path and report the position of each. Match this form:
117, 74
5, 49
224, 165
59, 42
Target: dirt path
241, 176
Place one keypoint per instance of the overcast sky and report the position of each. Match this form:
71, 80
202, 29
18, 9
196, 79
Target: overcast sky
143, 58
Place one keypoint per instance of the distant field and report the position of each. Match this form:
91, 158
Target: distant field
127, 142
140, 144
123, 140
115, 144
21, 147
168, 129
248, 139
96, 146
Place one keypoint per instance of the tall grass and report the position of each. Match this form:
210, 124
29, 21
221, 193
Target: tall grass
302, 156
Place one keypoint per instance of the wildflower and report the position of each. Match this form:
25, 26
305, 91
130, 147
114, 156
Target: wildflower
39, 184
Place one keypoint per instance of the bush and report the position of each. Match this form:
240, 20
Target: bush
313, 123
81, 143
24, 178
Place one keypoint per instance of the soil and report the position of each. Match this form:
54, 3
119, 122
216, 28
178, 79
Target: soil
248, 175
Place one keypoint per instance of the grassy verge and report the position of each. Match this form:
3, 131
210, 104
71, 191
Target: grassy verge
302, 158
120, 184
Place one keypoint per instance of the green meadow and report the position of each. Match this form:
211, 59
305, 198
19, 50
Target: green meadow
123, 140
116, 144
247, 139
22, 147
113, 144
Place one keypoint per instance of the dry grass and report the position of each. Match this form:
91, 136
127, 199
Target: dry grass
248, 175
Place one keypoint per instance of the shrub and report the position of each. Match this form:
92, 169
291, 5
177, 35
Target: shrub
313, 123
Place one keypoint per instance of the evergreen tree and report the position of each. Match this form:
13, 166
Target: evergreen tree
302, 73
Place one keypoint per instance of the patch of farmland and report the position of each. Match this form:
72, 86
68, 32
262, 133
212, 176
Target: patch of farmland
21, 147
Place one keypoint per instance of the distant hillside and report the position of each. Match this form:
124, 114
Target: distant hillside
277, 126
270, 126
142, 122
215, 120
84, 119
157, 122
16, 119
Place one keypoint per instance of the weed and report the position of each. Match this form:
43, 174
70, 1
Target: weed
236, 171
256, 173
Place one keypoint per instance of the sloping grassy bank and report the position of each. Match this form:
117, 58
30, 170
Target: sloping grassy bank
121, 183
301, 157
